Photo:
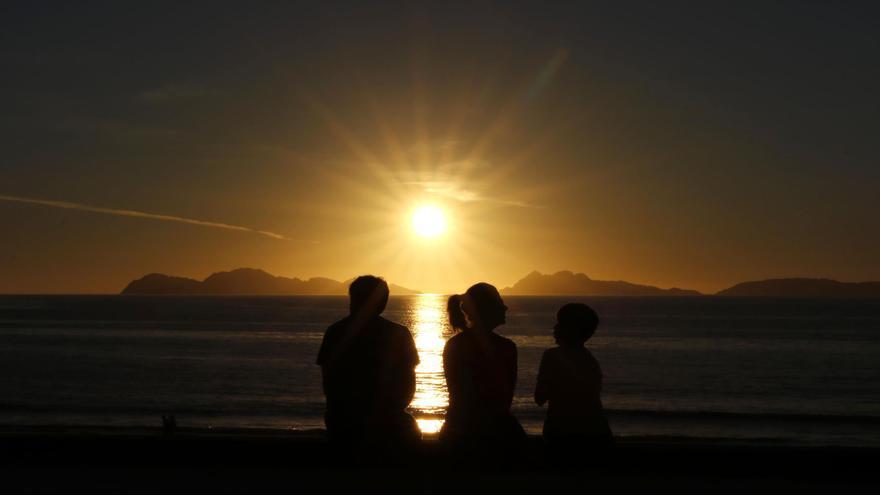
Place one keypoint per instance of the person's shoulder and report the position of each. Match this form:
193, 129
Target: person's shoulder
551, 353
393, 328
337, 327
575, 353
503, 343
455, 341
589, 357
340, 324
552, 356
331, 339
390, 325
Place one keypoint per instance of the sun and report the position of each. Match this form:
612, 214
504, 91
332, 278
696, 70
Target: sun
429, 221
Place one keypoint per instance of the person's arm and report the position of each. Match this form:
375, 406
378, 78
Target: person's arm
321, 361
402, 369
541, 385
511, 379
409, 385
451, 372
595, 382
404, 387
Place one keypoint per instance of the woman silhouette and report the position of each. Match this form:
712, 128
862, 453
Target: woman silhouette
480, 368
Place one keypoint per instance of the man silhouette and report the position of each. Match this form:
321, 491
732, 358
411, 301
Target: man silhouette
368, 371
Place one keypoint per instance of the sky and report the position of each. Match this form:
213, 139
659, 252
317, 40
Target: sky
687, 144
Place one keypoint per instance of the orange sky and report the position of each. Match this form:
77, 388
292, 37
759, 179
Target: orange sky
656, 147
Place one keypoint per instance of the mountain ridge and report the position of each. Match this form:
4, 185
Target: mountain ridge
567, 283
802, 287
251, 281
243, 281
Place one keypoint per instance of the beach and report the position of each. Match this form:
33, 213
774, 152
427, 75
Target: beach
703, 394
146, 460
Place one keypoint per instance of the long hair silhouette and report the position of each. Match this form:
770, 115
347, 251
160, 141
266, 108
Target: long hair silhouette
480, 306
457, 320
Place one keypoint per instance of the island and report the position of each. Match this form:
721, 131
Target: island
566, 283
243, 281
803, 287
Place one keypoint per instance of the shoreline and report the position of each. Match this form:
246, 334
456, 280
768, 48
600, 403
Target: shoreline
668, 428
318, 435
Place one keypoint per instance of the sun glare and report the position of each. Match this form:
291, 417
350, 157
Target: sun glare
429, 221
427, 319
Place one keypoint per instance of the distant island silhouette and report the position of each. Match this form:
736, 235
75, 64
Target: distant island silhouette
566, 283
250, 281
243, 281
803, 287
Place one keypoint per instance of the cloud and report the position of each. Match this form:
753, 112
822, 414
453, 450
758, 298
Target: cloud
137, 214
448, 189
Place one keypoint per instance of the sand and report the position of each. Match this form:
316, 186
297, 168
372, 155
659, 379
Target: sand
145, 460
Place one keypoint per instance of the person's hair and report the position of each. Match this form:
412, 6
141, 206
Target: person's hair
457, 319
486, 305
575, 324
368, 293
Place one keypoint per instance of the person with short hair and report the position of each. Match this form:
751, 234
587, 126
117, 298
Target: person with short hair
368, 371
570, 383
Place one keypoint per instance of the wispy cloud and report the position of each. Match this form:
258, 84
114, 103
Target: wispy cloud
137, 214
450, 190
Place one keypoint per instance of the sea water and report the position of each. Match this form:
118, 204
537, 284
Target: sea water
800, 371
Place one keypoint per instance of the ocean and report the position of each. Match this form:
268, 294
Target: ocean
780, 371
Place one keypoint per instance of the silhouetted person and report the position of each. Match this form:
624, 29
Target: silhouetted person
480, 368
570, 382
368, 370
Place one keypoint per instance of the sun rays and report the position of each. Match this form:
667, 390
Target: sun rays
431, 175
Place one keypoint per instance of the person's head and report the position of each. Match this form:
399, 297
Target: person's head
575, 324
480, 306
368, 295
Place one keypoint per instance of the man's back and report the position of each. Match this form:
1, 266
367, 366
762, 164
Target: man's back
368, 376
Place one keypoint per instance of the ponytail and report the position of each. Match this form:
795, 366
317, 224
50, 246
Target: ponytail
457, 319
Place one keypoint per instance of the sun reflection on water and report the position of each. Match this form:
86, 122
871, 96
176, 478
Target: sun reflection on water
428, 323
